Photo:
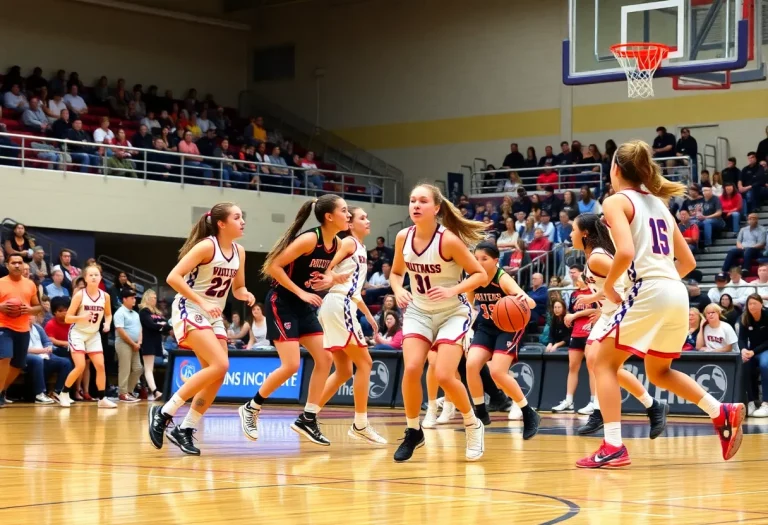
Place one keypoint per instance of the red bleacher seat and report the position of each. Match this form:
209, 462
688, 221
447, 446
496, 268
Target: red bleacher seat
751, 278
98, 111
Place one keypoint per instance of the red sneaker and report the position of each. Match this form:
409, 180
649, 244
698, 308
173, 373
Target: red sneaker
728, 426
606, 456
87, 397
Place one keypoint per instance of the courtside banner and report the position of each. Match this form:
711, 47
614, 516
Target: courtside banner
245, 376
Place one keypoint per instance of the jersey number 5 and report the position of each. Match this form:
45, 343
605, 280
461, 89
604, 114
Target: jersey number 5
659, 233
422, 284
219, 287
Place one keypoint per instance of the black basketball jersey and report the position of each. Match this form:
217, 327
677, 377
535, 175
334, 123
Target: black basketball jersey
486, 298
306, 268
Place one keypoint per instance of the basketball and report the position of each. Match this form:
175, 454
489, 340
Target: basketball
15, 305
511, 315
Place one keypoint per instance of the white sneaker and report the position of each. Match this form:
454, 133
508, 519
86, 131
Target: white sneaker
587, 409
150, 397
475, 441
64, 400
440, 401
366, 434
751, 408
515, 414
448, 413
762, 411
430, 419
42, 399
128, 398
106, 403
564, 406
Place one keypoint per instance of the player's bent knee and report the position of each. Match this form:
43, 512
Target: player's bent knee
445, 376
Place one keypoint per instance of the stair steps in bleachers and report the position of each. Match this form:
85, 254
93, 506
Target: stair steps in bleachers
711, 263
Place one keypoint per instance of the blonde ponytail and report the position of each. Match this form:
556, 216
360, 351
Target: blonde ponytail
206, 225
635, 162
470, 232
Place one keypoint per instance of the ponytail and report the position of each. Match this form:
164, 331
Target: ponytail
470, 232
597, 234
635, 162
320, 206
206, 226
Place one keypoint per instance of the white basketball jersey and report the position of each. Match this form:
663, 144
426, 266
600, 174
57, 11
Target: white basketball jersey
94, 306
596, 283
356, 265
652, 230
213, 279
429, 269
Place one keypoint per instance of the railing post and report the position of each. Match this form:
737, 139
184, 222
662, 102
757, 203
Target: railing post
182, 171
221, 175
23, 153
145, 165
306, 183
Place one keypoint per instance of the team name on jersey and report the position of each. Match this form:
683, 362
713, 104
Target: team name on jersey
319, 263
487, 297
717, 340
93, 308
361, 259
224, 272
423, 268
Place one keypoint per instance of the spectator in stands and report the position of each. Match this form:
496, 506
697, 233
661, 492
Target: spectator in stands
527, 232
9, 151
194, 127
255, 131
103, 135
313, 176
230, 170
392, 338
41, 363
570, 204
738, 288
165, 121
84, 155
540, 295
546, 226
151, 122
258, 336
100, 92
729, 310
142, 138
762, 148
37, 265
563, 229
540, 243
749, 244
56, 288
548, 156
36, 81
587, 203
14, 99
558, 334
119, 162
710, 215
548, 177
714, 334
695, 319
56, 329
153, 326
378, 284
75, 102
160, 165
118, 104
762, 281
664, 145
34, 118
207, 144
507, 241
510, 185
175, 114
19, 243
128, 342
55, 106
71, 272
690, 230
277, 159
247, 155
514, 158
237, 332
753, 341
203, 121
61, 126
139, 108
550, 202
74, 80
731, 173
687, 147
190, 102
752, 183
593, 156
531, 161
59, 82
222, 122
717, 184
194, 165
695, 298
721, 281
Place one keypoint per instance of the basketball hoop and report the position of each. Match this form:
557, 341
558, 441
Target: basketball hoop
640, 60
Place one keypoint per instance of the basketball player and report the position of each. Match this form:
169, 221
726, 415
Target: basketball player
297, 264
210, 264
88, 307
652, 322
342, 334
438, 315
592, 237
490, 343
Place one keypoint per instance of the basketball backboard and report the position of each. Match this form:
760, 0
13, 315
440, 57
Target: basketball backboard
706, 37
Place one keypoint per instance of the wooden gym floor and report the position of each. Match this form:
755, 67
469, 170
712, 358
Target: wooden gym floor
86, 466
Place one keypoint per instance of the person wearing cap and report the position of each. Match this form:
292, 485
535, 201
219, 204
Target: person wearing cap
546, 226
694, 202
749, 244
522, 203
721, 281
550, 202
695, 298
127, 345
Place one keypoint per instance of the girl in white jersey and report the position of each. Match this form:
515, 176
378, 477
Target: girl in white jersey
438, 315
652, 321
342, 334
88, 307
210, 264
591, 236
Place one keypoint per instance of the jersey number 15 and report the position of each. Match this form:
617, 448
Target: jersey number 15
659, 233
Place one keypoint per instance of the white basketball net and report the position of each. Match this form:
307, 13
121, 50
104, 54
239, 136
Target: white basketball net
640, 62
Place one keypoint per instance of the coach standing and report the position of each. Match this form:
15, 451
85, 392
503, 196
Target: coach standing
18, 300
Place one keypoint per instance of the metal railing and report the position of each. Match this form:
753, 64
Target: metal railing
500, 181
332, 147
137, 276
49, 244
170, 166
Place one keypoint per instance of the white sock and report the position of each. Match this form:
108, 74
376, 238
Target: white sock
311, 408
568, 398
710, 405
595, 403
522, 404
646, 400
469, 419
253, 405
448, 406
591, 399
478, 400
361, 420
173, 404
612, 432
432, 405
412, 422
192, 419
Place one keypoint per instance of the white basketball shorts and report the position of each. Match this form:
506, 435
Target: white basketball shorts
187, 316
338, 317
84, 342
447, 326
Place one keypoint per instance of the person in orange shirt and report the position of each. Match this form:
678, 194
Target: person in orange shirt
18, 300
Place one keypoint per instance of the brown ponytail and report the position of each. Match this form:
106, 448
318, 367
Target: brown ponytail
470, 232
206, 225
635, 162
322, 205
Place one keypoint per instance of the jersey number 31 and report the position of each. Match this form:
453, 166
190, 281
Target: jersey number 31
422, 284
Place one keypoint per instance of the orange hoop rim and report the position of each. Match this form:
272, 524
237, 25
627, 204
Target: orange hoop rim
649, 55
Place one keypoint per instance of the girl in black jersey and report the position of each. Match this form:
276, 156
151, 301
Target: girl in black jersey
490, 343
297, 264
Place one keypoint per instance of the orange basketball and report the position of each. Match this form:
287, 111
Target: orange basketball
511, 315
15, 304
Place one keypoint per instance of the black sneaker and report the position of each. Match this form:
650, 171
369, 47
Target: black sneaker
413, 439
531, 421
183, 438
657, 414
310, 430
501, 404
158, 422
594, 423
483, 415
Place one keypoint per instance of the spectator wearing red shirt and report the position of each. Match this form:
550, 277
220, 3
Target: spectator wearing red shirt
193, 165
540, 244
689, 229
56, 329
548, 177
732, 203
